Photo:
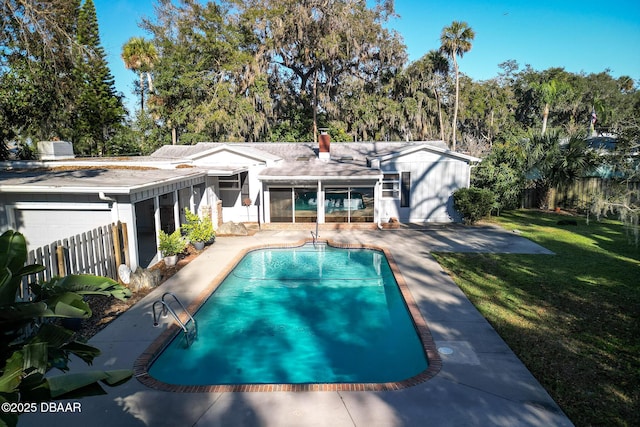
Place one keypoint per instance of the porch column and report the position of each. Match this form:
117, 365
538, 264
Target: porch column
320, 203
157, 223
377, 201
266, 204
192, 199
176, 210
132, 235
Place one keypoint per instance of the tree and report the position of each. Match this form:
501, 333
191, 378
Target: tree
620, 195
314, 46
140, 56
455, 40
54, 78
36, 68
29, 347
556, 164
209, 81
422, 84
503, 172
99, 108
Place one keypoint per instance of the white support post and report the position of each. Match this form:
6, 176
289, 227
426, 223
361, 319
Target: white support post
320, 203
156, 220
176, 210
192, 199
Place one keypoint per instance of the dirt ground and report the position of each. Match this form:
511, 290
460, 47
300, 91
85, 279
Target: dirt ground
107, 309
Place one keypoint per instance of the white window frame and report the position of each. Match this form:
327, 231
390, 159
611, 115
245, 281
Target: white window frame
392, 178
233, 179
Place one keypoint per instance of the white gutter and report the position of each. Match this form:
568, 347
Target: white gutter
22, 188
319, 178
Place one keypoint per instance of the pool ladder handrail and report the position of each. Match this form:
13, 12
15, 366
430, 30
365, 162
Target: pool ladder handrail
166, 309
315, 236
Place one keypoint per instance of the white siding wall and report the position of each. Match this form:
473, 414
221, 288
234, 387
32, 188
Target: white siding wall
434, 178
44, 226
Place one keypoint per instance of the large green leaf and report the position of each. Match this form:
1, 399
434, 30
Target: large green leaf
13, 255
35, 356
52, 335
64, 384
83, 351
23, 311
11, 373
13, 250
91, 285
69, 304
117, 376
31, 269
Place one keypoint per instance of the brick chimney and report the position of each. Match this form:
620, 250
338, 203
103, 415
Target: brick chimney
324, 149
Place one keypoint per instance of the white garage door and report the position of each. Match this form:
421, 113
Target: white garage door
44, 226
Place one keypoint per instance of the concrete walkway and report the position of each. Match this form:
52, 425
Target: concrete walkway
481, 383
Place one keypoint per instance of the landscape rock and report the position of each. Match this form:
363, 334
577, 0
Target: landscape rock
144, 279
232, 229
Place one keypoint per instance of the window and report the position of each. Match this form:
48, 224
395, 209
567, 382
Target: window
405, 190
391, 185
232, 187
229, 182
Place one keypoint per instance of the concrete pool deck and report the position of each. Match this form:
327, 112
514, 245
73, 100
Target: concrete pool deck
481, 383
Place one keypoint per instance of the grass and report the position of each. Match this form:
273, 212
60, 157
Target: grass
573, 318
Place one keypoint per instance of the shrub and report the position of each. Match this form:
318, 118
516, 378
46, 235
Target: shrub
473, 203
198, 229
171, 244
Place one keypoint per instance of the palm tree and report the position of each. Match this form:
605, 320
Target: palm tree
140, 55
549, 92
455, 40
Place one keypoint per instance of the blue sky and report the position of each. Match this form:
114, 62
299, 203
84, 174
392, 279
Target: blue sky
580, 36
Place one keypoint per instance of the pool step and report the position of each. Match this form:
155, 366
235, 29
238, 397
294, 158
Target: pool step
166, 309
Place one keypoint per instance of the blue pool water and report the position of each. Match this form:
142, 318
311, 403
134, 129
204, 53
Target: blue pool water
299, 315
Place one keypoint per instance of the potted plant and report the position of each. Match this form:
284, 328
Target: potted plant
171, 245
198, 230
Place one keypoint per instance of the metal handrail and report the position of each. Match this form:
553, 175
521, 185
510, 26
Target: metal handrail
166, 309
315, 236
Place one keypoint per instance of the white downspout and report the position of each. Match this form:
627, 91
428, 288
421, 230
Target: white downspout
114, 206
377, 201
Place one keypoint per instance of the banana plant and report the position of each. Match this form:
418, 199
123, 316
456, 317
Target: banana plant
31, 346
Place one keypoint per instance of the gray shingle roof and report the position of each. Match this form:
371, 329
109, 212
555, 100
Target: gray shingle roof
356, 151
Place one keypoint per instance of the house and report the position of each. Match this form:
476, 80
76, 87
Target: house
265, 183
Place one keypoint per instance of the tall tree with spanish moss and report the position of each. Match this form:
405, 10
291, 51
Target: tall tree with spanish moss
315, 47
455, 40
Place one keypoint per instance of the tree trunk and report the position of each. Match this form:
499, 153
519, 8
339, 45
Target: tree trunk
315, 107
545, 116
150, 81
455, 108
435, 91
141, 91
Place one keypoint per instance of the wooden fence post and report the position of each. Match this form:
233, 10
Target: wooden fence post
62, 271
125, 243
116, 243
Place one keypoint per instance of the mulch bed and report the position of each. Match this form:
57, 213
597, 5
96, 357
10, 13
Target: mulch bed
107, 309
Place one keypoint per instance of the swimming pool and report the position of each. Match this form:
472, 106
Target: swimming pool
313, 314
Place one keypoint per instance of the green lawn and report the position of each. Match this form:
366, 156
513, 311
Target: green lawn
573, 318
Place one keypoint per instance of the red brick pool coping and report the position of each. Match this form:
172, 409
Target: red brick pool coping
145, 360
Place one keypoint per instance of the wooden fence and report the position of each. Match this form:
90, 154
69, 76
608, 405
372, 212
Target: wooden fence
99, 252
